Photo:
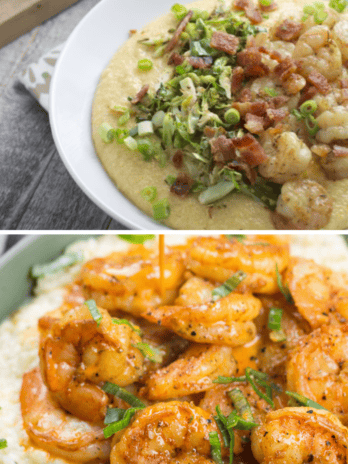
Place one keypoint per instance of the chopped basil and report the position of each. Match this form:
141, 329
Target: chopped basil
120, 392
64, 261
149, 352
284, 289
93, 309
126, 322
229, 286
137, 239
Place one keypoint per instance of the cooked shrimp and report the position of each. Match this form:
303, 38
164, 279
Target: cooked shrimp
195, 291
218, 396
303, 204
227, 321
335, 167
333, 125
300, 435
318, 368
288, 157
174, 432
316, 50
131, 282
217, 259
193, 372
340, 35
55, 430
76, 355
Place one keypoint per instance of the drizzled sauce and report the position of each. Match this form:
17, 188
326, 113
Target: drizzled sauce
161, 264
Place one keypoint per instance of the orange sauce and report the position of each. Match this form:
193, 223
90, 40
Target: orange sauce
161, 264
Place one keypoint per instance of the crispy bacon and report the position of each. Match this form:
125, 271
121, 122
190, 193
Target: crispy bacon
222, 149
200, 62
254, 124
245, 96
176, 59
308, 93
224, 42
276, 115
257, 108
257, 70
182, 185
285, 68
237, 79
288, 30
340, 152
277, 102
250, 150
320, 82
251, 11
180, 29
244, 168
209, 132
140, 95
178, 159
249, 56
267, 9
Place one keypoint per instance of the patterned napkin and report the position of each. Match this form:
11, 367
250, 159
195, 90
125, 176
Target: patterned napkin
37, 77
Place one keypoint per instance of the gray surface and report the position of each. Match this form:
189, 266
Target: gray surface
36, 191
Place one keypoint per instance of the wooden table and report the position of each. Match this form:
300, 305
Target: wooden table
36, 191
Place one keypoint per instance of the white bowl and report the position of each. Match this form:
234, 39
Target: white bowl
86, 53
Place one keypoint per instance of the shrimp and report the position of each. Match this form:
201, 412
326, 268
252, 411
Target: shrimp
56, 431
303, 204
335, 167
316, 50
131, 282
217, 259
333, 125
340, 35
288, 157
227, 321
195, 291
218, 396
318, 368
300, 435
77, 355
193, 372
173, 432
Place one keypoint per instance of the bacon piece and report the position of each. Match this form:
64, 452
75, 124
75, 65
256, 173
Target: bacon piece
340, 152
320, 82
140, 95
257, 70
209, 132
257, 108
267, 9
288, 30
222, 149
249, 56
277, 115
237, 79
277, 102
200, 62
245, 96
224, 42
251, 11
178, 159
254, 124
244, 168
182, 185
308, 93
180, 29
176, 59
250, 150
274, 55
285, 68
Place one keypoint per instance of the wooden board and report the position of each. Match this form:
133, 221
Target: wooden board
20, 16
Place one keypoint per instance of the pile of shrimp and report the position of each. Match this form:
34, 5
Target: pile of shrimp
183, 349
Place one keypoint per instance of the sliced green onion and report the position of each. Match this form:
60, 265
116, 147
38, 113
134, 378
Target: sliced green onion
149, 193
149, 352
312, 125
232, 116
157, 118
239, 237
284, 289
277, 336
297, 114
180, 11
271, 92
236, 422
120, 392
136, 239
305, 401
93, 309
170, 180
145, 64
309, 9
145, 128
241, 404
64, 261
126, 322
199, 14
133, 131
161, 209
111, 429
215, 447
106, 132
120, 109
216, 192
320, 16
249, 373
308, 107
131, 143
3, 443
229, 286
266, 2
114, 415
223, 379
168, 130
275, 318
124, 118
121, 135
338, 5
227, 433
145, 146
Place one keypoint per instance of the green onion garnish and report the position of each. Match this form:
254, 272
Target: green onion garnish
223, 379
145, 146
149, 352
241, 404
130, 143
320, 16
3, 443
229, 286
106, 132
93, 309
121, 424
215, 447
145, 64
266, 2
122, 120
170, 180
120, 392
227, 433
145, 128
127, 322
232, 116
271, 92
297, 115
161, 209
308, 107
149, 193
284, 289
216, 192
180, 11
64, 261
277, 336
114, 415
305, 401
260, 377
312, 125
136, 239
338, 5
157, 118
275, 318
236, 422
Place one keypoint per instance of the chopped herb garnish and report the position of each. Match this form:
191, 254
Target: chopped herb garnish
161, 209
3, 443
149, 194
302, 400
277, 336
232, 116
338, 5
308, 107
120, 392
114, 427
241, 404
275, 318
312, 125
126, 322
145, 64
239, 238
149, 352
284, 289
215, 447
254, 377
106, 132
180, 11
137, 239
93, 309
64, 261
114, 415
229, 286
226, 432
271, 92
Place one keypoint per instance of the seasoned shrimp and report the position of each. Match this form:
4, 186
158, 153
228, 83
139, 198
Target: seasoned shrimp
76, 355
288, 157
174, 432
333, 125
131, 282
227, 321
217, 259
193, 372
195, 291
340, 35
303, 204
335, 167
316, 50
299, 436
55, 430
318, 368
